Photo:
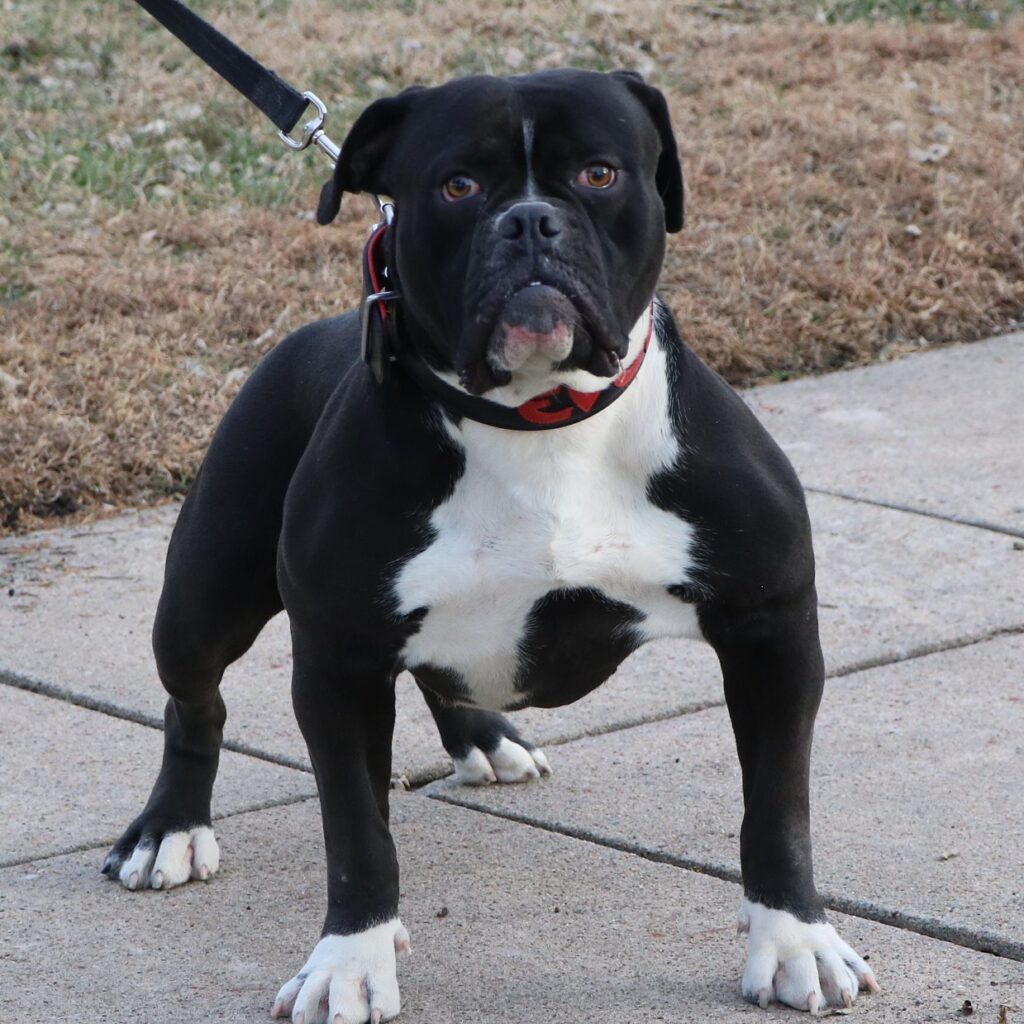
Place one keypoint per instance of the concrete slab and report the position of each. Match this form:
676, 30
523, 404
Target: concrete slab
507, 923
916, 792
940, 431
71, 778
83, 602
886, 588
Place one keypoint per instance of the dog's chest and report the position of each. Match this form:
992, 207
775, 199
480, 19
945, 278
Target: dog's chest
547, 538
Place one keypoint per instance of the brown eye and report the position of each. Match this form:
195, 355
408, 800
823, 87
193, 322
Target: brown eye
459, 187
598, 176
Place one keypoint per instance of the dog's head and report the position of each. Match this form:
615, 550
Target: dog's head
531, 216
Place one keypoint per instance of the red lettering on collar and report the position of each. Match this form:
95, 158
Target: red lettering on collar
545, 408
583, 400
538, 409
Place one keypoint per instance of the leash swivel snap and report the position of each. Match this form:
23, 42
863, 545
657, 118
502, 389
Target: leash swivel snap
313, 131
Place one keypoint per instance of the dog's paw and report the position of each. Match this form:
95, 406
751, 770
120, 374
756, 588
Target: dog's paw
163, 860
509, 761
348, 979
806, 966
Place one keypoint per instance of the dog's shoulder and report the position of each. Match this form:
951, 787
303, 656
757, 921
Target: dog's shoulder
736, 485
359, 500
310, 362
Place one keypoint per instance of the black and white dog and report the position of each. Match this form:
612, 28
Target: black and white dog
547, 479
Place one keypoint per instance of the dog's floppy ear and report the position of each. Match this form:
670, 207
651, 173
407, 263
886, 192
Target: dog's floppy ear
669, 174
363, 152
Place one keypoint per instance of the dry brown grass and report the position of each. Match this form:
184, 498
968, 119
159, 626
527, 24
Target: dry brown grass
141, 287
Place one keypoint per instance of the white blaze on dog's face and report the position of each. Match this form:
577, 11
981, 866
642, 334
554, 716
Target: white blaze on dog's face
545, 213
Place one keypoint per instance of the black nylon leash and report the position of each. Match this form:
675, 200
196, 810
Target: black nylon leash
272, 95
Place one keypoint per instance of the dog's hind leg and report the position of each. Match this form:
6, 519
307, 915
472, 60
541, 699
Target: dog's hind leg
219, 591
484, 746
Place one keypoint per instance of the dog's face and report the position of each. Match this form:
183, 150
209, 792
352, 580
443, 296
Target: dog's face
531, 216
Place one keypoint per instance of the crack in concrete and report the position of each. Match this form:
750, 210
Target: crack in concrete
951, 517
930, 927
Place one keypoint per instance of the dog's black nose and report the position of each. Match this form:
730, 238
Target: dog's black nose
530, 220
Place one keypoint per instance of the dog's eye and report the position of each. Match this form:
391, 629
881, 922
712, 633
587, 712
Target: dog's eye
459, 187
598, 176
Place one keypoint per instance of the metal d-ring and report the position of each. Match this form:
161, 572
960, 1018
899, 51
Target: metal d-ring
313, 131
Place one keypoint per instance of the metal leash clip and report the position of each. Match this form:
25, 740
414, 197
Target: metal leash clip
313, 131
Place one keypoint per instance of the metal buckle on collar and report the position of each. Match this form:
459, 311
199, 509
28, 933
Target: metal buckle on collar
313, 131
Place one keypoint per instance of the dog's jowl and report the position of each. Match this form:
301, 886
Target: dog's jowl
545, 479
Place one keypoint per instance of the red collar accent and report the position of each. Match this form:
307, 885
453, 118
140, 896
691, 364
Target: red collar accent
565, 405
559, 407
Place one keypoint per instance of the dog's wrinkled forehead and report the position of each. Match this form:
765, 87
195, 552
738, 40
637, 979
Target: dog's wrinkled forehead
522, 128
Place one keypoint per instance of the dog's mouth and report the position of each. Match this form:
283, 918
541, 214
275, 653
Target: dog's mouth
537, 330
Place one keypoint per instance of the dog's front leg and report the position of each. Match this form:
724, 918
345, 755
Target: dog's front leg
774, 676
346, 711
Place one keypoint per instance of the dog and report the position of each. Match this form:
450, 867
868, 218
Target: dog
537, 477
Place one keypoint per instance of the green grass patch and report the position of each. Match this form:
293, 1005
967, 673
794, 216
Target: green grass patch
64, 144
975, 13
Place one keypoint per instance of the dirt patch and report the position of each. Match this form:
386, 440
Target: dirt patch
854, 193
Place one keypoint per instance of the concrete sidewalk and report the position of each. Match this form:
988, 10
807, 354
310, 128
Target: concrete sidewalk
609, 891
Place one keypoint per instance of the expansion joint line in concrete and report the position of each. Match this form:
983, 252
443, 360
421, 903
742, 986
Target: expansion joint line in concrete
419, 779
20, 681
264, 805
416, 780
926, 650
983, 941
921, 651
978, 524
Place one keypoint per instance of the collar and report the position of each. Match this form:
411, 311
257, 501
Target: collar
559, 407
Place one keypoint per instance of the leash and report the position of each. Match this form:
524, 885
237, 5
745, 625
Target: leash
284, 105
269, 93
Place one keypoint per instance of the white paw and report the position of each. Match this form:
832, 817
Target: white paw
348, 979
508, 762
806, 966
180, 856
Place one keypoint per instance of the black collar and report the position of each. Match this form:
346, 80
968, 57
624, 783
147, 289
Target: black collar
559, 407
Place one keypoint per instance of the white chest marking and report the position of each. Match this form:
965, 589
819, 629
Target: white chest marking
546, 510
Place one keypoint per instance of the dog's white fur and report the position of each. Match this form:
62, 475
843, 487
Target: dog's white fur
806, 966
508, 762
353, 978
181, 855
536, 511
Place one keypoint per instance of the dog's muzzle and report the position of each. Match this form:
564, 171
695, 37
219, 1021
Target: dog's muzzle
532, 309
537, 321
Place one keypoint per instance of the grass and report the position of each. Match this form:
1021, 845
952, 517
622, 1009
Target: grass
854, 193
969, 12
